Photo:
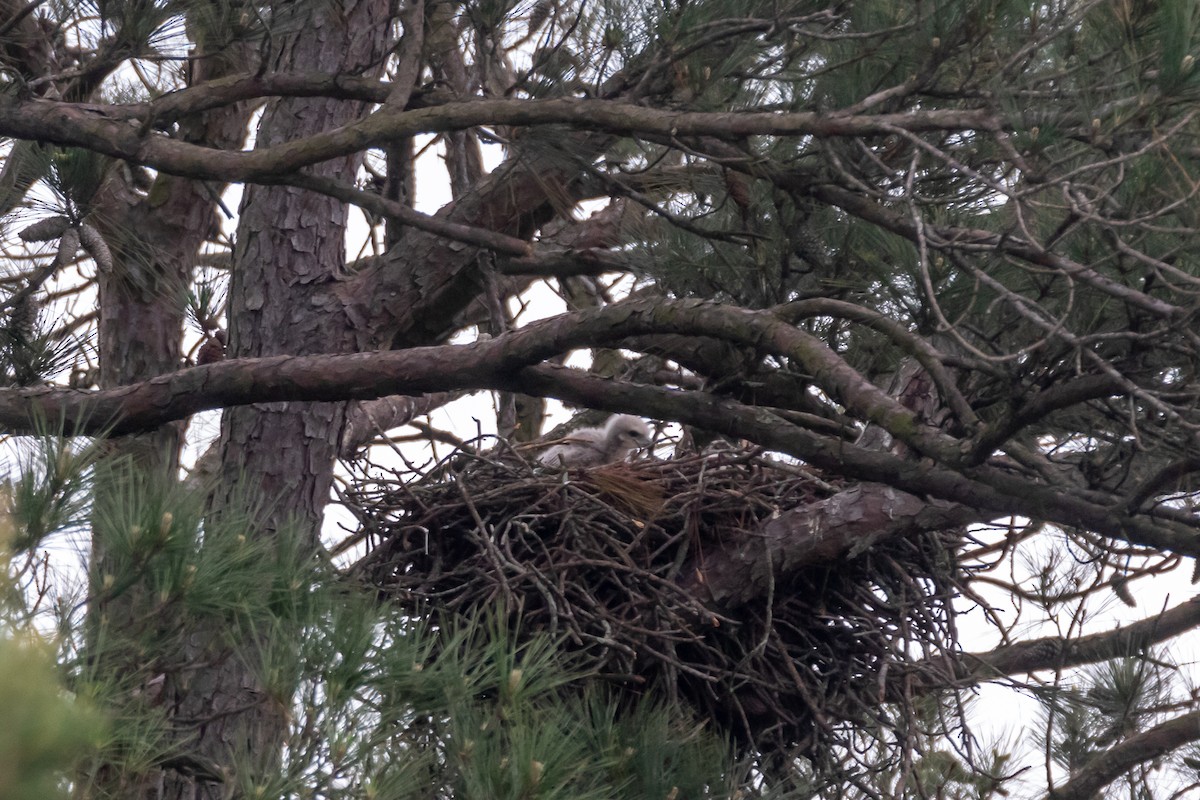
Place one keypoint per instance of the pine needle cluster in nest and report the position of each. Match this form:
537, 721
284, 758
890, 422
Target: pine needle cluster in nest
603, 559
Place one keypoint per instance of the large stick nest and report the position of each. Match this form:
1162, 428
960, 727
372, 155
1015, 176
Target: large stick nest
598, 557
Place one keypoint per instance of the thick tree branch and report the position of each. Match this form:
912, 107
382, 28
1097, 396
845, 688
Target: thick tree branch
416, 294
1034, 407
371, 375
127, 132
848, 523
496, 360
1114, 762
928, 357
1052, 652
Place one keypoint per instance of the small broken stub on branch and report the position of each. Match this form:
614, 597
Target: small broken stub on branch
612, 560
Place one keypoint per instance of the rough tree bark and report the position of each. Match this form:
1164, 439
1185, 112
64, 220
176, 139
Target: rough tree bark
154, 239
287, 267
287, 263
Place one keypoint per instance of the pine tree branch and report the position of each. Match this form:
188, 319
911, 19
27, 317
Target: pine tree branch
13, 16
947, 237
1053, 652
991, 491
398, 212
341, 377
125, 131
1114, 762
850, 522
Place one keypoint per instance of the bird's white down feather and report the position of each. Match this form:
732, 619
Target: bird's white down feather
591, 447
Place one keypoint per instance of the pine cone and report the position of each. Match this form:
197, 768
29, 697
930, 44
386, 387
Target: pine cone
213, 349
540, 13
45, 230
1046, 652
1120, 587
97, 248
739, 190
68, 246
22, 319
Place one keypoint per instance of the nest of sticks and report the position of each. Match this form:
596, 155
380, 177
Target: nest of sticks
601, 557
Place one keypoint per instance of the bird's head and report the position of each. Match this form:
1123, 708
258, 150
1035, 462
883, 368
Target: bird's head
625, 433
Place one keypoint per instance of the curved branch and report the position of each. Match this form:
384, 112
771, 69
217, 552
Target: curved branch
502, 364
849, 523
1052, 652
926, 355
1167, 475
17, 15
486, 365
1038, 406
126, 131
1116, 761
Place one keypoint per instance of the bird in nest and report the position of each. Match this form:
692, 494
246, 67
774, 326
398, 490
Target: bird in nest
591, 447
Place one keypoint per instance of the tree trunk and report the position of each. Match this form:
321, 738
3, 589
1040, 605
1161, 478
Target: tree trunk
155, 240
291, 245
283, 299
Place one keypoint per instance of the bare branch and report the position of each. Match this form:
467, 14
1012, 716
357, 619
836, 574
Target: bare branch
368, 419
390, 209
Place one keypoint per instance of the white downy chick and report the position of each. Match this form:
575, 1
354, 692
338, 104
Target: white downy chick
591, 447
